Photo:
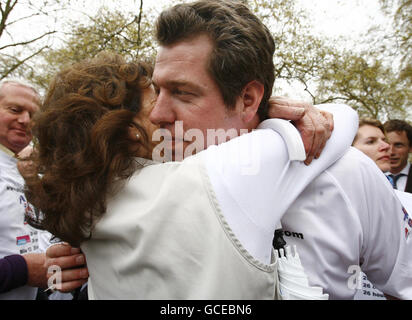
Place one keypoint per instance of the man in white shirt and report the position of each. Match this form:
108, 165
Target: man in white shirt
18, 103
340, 219
399, 134
19, 242
371, 140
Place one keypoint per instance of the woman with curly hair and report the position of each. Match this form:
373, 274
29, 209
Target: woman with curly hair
201, 228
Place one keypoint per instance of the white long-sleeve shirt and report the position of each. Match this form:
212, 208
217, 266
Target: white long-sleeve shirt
16, 236
349, 216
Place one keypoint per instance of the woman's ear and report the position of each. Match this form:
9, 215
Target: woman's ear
134, 133
250, 99
135, 138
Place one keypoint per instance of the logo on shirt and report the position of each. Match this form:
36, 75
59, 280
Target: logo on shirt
11, 188
29, 210
291, 234
408, 223
20, 241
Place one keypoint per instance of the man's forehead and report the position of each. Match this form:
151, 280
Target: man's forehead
397, 135
181, 74
18, 89
181, 61
194, 48
20, 94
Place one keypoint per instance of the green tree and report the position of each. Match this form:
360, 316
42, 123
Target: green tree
325, 71
127, 33
299, 55
401, 13
366, 80
369, 86
19, 48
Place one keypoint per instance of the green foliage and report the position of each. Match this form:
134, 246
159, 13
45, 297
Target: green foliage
370, 87
127, 33
401, 13
18, 49
375, 82
367, 81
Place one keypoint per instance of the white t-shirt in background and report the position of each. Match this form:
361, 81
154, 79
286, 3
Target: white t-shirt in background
16, 236
350, 216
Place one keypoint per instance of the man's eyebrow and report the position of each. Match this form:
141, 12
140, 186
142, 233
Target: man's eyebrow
180, 83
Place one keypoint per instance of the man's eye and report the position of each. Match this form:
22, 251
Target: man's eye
181, 92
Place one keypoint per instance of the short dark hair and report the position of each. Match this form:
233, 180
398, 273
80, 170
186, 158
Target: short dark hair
399, 125
243, 45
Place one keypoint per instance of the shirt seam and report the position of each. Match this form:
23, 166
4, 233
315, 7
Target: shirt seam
229, 232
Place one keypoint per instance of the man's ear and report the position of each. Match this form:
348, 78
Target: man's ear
250, 99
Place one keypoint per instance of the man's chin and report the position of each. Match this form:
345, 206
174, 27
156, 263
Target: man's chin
394, 163
17, 145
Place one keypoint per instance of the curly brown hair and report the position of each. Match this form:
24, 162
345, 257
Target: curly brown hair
82, 142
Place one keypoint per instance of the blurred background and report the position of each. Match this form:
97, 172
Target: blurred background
357, 52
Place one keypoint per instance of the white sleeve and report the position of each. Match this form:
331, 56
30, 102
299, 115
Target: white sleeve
405, 198
390, 245
254, 179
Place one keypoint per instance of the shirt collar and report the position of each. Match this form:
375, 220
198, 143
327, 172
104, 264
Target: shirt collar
7, 151
406, 169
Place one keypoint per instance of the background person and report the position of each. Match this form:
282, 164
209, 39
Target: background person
371, 140
22, 257
22, 264
399, 134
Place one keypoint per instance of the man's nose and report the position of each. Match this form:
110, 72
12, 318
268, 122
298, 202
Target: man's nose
391, 149
163, 110
24, 117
